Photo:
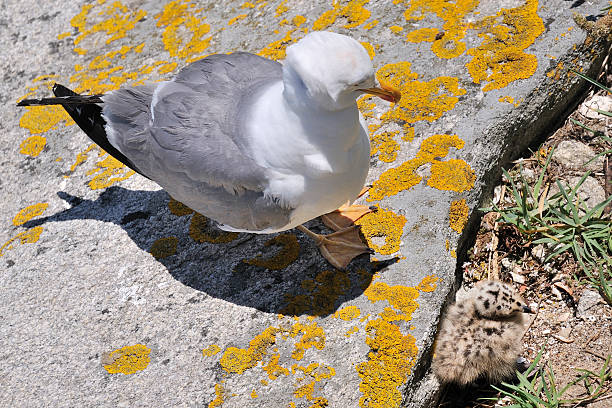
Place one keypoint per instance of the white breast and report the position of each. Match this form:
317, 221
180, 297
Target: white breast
316, 162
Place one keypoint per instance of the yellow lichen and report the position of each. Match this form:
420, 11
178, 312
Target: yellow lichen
127, 360
180, 22
312, 336
350, 331
120, 20
281, 8
385, 146
420, 100
276, 49
371, 24
392, 354
31, 211
211, 350
33, 145
177, 208
451, 175
236, 360
253, 394
369, 48
164, 247
289, 252
110, 171
383, 223
63, 35
219, 396
233, 20
166, 68
273, 369
428, 284
201, 231
354, 12
458, 215
404, 177
27, 237
39, 119
348, 313
390, 361
396, 29
500, 58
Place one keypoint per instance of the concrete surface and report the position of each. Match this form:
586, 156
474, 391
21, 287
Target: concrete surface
114, 296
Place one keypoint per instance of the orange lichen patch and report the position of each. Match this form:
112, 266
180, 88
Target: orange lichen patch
177, 208
354, 12
236, 360
273, 369
166, 68
348, 313
247, 5
321, 294
385, 146
449, 45
408, 135
219, 396
80, 51
277, 49
422, 35
127, 360
281, 8
234, 20
39, 119
164, 247
298, 20
369, 48
402, 298
26, 237
371, 24
111, 171
82, 157
253, 394
383, 223
428, 284
179, 18
211, 350
350, 331
365, 106
33, 145
392, 354
404, 177
313, 336
392, 357
288, 253
396, 29
118, 22
63, 35
458, 215
453, 253
420, 100
29, 212
501, 59
451, 175
313, 373
201, 231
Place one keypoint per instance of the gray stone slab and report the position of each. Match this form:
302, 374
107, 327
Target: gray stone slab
259, 321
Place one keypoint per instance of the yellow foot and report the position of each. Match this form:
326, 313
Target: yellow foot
345, 216
340, 247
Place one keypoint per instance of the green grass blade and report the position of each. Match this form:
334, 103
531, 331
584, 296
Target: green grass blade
594, 82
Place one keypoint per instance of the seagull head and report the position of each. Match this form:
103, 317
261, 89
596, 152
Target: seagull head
498, 300
332, 71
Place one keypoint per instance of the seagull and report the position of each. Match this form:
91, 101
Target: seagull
480, 336
255, 145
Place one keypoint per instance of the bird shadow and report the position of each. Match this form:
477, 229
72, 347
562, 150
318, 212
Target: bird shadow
296, 281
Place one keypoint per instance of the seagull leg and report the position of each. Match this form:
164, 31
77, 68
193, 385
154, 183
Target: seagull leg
346, 215
340, 247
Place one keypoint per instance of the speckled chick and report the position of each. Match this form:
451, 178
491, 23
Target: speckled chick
481, 335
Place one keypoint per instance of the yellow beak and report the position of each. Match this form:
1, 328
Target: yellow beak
385, 92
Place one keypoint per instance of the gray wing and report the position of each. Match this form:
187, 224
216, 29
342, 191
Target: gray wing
191, 141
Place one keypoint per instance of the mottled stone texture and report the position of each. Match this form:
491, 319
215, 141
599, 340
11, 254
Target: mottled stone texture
114, 295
